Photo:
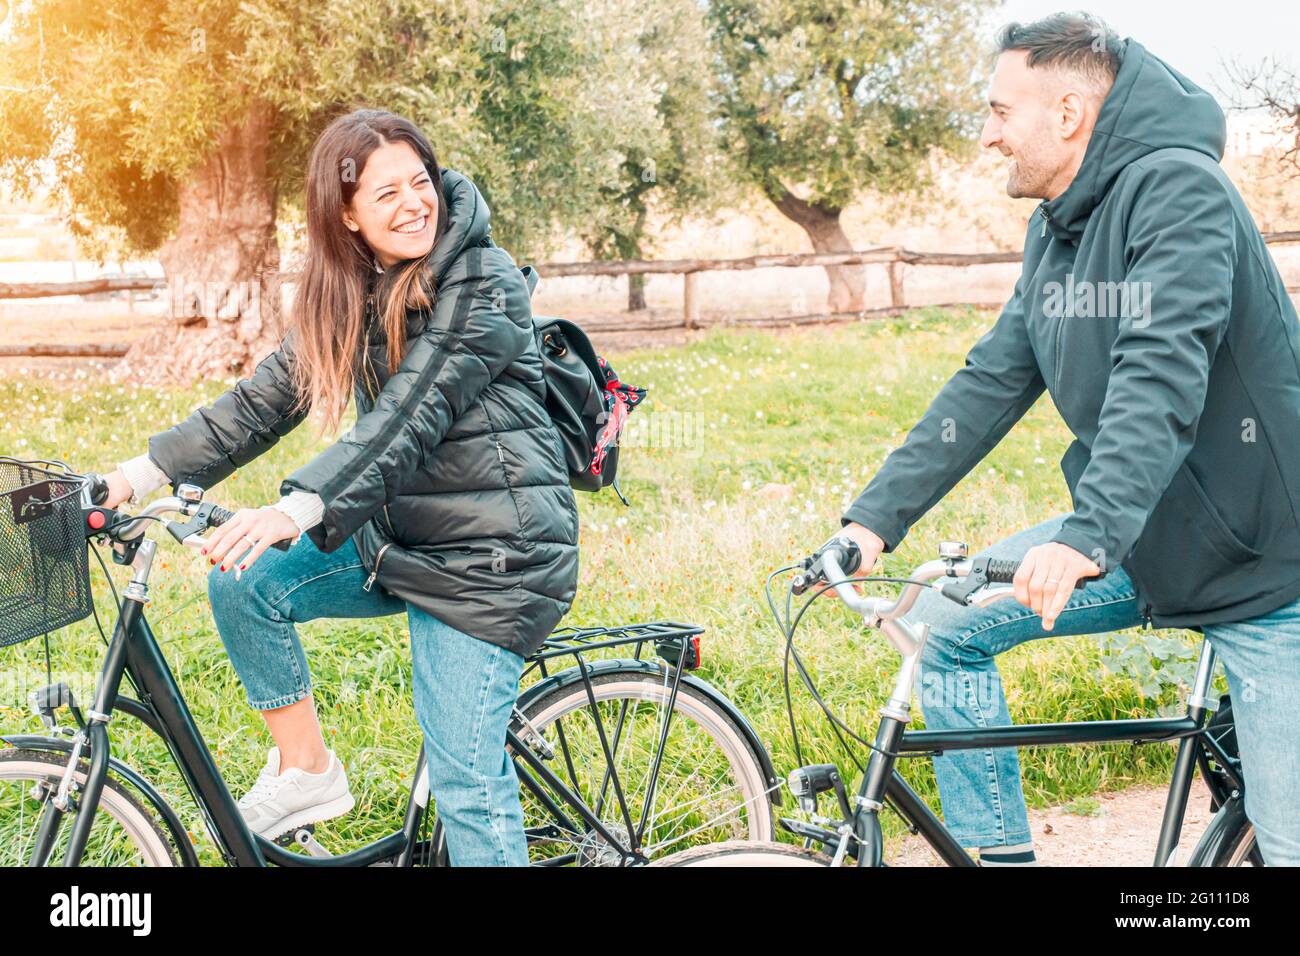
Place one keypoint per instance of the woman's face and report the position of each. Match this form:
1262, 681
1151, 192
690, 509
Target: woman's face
395, 207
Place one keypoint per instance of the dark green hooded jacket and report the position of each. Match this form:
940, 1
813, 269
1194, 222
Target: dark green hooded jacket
1151, 311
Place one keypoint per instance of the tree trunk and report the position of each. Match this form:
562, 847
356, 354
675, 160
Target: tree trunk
629, 247
222, 268
822, 223
636, 292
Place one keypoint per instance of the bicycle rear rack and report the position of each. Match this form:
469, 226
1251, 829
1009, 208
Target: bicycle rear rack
670, 639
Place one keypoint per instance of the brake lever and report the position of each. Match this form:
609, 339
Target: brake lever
201, 521
960, 590
983, 572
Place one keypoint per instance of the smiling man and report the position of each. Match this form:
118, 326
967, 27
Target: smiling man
1151, 312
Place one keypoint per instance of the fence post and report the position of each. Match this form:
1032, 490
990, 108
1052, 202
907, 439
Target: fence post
690, 300
896, 283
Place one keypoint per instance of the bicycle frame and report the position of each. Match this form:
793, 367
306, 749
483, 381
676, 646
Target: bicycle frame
134, 650
882, 782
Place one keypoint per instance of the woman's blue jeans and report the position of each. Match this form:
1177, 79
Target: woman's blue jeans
465, 688
980, 791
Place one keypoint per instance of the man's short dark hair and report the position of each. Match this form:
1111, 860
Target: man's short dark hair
1079, 42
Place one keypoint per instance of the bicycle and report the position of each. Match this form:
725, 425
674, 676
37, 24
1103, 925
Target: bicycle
619, 759
856, 831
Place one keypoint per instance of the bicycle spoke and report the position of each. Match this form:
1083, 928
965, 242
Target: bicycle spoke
653, 775
684, 810
700, 829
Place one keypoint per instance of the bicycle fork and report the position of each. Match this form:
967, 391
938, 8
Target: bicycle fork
894, 718
94, 734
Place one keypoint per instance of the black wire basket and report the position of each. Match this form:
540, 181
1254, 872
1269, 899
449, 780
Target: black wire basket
44, 556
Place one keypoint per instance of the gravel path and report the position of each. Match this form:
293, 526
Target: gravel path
1111, 829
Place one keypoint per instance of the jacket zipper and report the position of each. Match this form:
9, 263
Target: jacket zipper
378, 558
1060, 322
365, 374
1060, 330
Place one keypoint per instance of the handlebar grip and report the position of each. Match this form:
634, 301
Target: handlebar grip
219, 516
846, 553
97, 487
1004, 572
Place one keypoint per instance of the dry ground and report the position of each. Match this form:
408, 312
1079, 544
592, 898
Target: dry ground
1112, 829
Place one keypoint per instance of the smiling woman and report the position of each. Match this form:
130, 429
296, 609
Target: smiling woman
395, 205
449, 499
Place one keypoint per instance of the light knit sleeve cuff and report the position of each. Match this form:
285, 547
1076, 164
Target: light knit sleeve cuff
304, 507
143, 476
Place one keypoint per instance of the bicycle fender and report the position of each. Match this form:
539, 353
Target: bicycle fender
180, 836
1223, 826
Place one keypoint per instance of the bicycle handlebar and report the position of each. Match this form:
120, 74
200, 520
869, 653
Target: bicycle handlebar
840, 557
126, 528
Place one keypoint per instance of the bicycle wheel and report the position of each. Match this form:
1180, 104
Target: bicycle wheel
1229, 840
124, 833
742, 853
705, 784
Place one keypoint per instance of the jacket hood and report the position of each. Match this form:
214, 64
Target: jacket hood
1150, 106
469, 221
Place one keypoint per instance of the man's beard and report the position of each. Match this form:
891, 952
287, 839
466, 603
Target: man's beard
1030, 174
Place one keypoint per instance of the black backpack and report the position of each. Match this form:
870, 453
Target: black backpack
585, 399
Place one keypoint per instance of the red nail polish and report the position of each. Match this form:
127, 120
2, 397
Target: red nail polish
223, 567
212, 560
242, 568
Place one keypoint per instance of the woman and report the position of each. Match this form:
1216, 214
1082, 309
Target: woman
449, 499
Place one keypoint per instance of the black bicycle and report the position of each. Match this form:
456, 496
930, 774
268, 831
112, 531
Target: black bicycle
620, 759
853, 832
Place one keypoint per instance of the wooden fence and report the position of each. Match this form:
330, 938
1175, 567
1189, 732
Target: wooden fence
894, 258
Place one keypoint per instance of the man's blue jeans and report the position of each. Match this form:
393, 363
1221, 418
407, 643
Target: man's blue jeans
983, 804
464, 688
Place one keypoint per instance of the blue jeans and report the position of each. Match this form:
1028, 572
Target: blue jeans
980, 792
465, 688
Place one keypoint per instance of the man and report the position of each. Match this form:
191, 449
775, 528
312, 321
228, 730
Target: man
1151, 312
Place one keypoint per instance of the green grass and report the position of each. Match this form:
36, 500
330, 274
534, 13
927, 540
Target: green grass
793, 426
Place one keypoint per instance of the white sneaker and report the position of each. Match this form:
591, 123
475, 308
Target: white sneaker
280, 802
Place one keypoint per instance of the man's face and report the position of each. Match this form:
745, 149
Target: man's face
1026, 124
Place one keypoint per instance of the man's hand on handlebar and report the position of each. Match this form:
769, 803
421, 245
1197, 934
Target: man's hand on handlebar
871, 546
1047, 576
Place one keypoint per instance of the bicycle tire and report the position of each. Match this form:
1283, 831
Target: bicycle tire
1229, 840
745, 853
567, 700
138, 827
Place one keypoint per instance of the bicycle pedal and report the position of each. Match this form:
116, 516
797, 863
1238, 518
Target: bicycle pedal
298, 836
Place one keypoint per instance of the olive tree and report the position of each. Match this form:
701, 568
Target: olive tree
181, 129
824, 99
677, 168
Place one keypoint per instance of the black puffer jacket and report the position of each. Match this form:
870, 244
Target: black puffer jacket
452, 483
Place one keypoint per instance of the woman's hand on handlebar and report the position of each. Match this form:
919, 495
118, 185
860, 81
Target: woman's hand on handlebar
244, 537
119, 489
1047, 576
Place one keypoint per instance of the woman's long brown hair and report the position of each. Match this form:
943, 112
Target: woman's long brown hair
328, 316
